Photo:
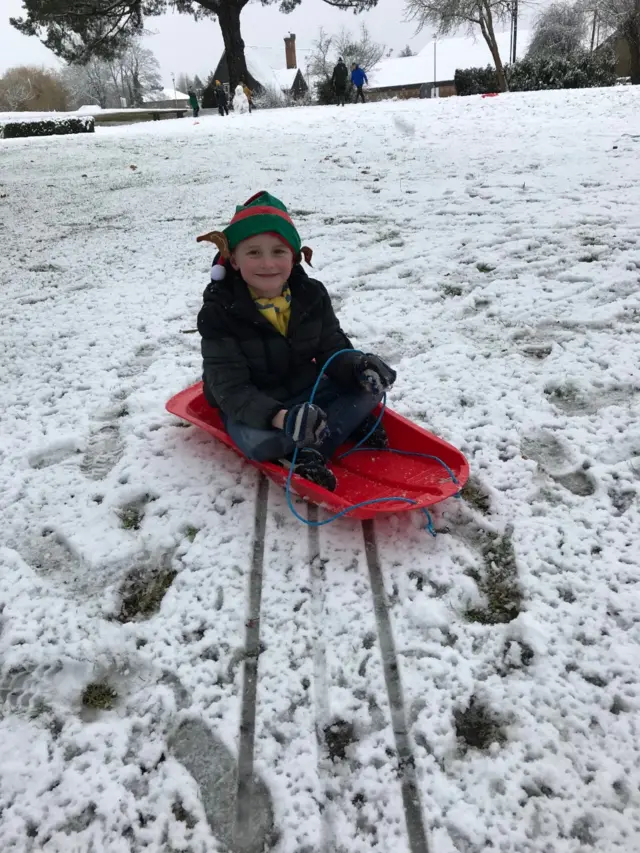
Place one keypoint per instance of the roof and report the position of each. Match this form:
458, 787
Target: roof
164, 95
259, 68
286, 77
450, 54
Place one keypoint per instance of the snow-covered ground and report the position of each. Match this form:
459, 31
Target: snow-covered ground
478, 691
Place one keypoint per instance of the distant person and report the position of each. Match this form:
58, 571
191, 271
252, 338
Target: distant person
249, 95
221, 99
339, 81
193, 100
358, 78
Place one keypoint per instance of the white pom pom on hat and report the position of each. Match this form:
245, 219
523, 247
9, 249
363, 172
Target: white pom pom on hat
218, 271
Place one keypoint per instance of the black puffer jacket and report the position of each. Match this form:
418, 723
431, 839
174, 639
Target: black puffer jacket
250, 369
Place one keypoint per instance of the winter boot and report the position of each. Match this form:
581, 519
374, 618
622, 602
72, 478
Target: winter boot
378, 440
312, 465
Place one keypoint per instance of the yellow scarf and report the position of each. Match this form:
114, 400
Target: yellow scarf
276, 309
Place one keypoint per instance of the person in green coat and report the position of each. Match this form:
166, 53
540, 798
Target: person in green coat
193, 100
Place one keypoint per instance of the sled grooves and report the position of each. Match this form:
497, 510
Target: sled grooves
245, 783
406, 762
320, 678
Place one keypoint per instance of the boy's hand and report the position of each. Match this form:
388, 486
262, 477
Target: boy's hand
306, 425
374, 375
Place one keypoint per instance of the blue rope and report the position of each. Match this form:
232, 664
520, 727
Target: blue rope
358, 447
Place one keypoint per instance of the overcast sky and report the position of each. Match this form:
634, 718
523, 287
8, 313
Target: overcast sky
182, 44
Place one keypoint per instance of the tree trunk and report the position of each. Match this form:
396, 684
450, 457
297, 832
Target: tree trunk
228, 14
632, 34
486, 25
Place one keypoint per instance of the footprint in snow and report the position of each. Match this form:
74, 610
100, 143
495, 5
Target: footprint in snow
215, 769
53, 454
141, 360
104, 451
551, 456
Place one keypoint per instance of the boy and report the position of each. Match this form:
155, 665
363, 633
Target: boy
267, 330
358, 78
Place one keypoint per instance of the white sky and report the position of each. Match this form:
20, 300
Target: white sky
182, 44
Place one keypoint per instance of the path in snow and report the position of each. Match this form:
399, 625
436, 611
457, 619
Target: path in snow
183, 666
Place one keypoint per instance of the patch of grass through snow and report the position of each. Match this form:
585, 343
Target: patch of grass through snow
99, 696
475, 496
499, 583
477, 727
142, 592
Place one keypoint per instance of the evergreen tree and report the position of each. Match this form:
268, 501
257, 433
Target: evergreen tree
76, 30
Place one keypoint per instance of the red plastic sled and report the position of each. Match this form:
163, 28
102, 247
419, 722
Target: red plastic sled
362, 476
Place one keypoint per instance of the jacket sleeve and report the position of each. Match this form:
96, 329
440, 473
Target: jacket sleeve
366, 79
332, 340
227, 375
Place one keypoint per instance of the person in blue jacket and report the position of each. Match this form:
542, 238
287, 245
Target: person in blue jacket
358, 78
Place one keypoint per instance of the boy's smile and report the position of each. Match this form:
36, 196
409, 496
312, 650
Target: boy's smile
264, 262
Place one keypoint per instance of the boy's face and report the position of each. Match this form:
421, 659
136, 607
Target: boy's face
264, 262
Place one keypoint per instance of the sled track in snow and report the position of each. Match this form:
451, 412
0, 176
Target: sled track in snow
244, 840
410, 793
245, 782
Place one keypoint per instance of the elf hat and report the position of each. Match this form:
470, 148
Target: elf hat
261, 214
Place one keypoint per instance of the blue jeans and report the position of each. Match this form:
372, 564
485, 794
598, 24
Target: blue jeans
345, 412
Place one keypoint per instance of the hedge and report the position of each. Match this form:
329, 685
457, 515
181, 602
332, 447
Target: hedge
46, 127
580, 71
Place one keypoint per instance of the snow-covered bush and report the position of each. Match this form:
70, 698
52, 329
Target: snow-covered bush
580, 71
46, 127
270, 99
476, 81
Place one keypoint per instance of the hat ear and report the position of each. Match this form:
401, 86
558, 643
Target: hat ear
219, 240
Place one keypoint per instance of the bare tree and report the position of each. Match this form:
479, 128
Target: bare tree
91, 83
406, 52
183, 82
560, 30
358, 48
319, 65
132, 73
31, 88
15, 90
449, 16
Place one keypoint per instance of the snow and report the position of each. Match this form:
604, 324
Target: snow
450, 54
286, 78
492, 256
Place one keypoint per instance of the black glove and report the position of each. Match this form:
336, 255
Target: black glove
306, 425
373, 374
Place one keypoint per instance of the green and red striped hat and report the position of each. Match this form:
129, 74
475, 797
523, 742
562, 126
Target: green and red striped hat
262, 213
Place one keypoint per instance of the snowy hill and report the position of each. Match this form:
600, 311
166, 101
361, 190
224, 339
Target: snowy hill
183, 665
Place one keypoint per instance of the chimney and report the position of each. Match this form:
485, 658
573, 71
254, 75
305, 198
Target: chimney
290, 51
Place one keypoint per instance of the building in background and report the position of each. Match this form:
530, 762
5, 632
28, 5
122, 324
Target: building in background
286, 81
165, 99
431, 73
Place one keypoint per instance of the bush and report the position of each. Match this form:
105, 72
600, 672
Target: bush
270, 99
580, 71
47, 127
325, 93
476, 81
